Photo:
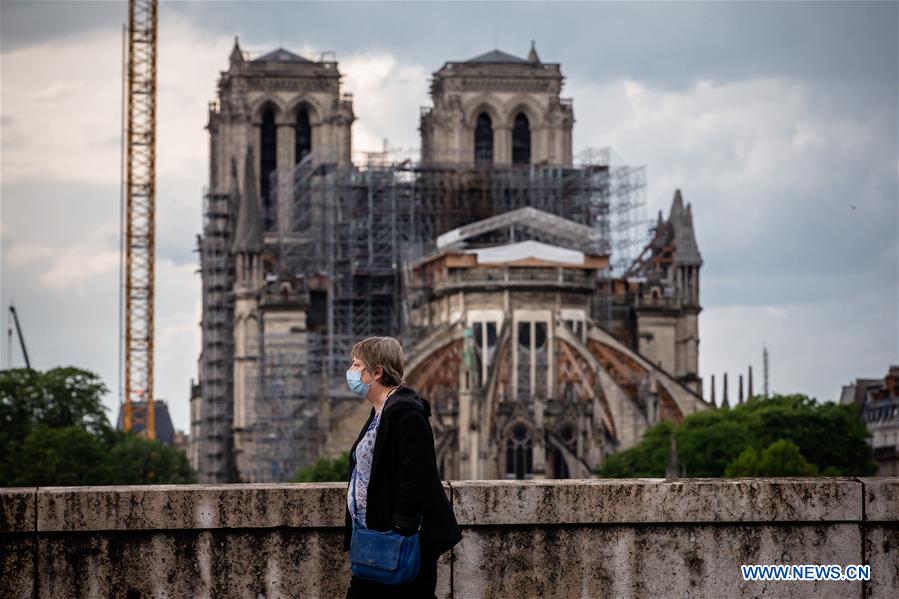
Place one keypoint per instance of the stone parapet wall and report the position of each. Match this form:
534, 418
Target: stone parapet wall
577, 538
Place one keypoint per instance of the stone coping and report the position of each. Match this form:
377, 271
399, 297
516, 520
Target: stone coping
487, 503
617, 501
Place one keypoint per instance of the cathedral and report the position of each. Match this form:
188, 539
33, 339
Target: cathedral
496, 258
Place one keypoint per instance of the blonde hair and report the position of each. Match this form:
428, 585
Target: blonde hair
385, 352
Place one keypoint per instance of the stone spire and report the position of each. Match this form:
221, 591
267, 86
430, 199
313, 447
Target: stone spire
248, 233
532, 55
684, 237
749, 395
724, 402
713, 390
236, 54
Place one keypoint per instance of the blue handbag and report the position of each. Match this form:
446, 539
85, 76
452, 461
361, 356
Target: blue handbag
384, 557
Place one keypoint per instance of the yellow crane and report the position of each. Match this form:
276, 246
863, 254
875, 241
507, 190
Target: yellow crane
140, 223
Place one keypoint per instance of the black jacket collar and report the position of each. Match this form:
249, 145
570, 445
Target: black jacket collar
403, 399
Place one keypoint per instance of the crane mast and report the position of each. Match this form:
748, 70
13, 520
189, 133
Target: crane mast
140, 189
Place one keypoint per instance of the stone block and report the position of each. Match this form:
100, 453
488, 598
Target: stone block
270, 564
18, 509
882, 553
622, 561
881, 499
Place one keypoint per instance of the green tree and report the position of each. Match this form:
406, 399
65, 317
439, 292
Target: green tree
134, 460
781, 458
56, 398
62, 456
647, 459
830, 437
54, 431
325, 470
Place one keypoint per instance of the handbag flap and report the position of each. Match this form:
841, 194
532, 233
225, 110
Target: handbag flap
376, 549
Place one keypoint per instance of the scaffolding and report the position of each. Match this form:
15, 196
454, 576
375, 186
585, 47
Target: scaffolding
216, 384
285, 433
343, 237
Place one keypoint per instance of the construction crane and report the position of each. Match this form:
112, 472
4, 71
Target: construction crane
15, 319
140, 190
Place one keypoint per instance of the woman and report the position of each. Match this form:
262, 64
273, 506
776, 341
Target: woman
394, 481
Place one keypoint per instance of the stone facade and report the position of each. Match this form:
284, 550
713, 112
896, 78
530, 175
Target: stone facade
524, 382
587, 539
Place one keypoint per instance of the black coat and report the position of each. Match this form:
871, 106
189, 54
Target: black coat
405, 483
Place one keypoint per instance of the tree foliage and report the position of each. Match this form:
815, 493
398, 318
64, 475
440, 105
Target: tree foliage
781, 458
325, 470
54, 432
757, 436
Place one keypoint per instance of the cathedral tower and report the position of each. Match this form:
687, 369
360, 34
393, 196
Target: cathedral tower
497, 109
285, 107
668, 308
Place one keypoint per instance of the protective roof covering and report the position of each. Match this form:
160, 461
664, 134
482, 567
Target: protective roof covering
281, 55
527, 249
495, 56
580, 235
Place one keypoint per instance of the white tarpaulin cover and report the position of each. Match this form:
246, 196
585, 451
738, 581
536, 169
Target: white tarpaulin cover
527, 249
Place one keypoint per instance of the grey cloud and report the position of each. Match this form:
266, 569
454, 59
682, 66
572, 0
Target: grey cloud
667, 43
30, 23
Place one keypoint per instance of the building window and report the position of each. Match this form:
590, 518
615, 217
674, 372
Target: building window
539, 335
483, 140
303, 143
519, 454
521, 140
569, 440
524, 334
560, 468
485, 344
268, 151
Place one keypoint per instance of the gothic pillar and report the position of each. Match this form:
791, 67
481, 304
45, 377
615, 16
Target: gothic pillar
285, 153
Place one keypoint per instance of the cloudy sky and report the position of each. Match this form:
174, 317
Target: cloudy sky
777, 120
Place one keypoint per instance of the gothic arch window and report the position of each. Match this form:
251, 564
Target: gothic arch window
519, 453
483, 139
568, 438
268, 162
303, 136
560, 468
521, 140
